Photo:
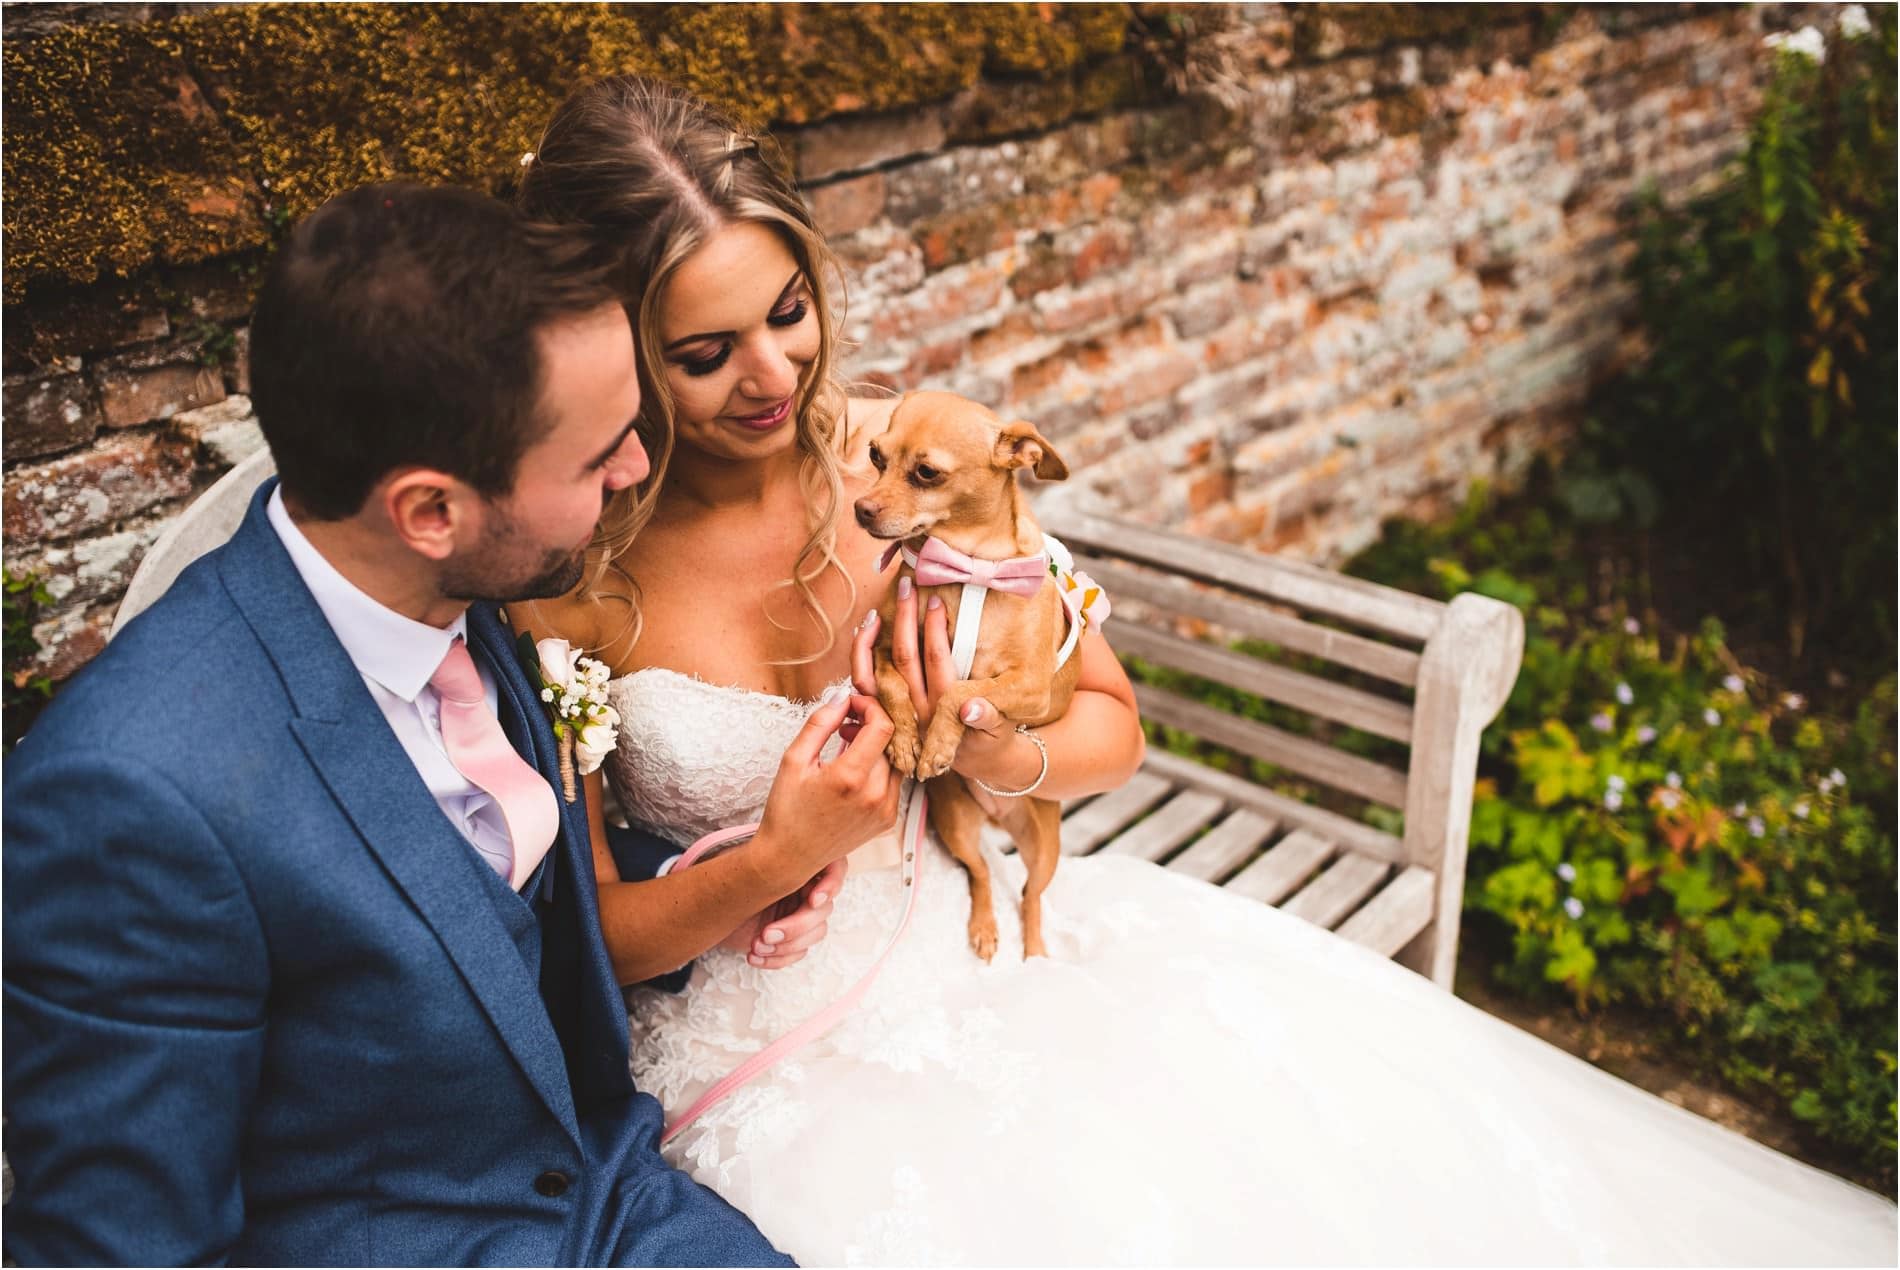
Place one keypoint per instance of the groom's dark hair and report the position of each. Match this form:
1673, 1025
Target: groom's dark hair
396, 327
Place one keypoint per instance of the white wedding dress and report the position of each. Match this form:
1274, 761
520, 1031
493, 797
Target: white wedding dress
1189, 1078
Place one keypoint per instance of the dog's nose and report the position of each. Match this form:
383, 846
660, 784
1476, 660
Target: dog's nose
866, 511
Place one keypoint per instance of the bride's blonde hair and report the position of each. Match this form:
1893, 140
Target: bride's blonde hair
652, 172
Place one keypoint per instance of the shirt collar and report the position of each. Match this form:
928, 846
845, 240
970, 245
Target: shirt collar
397, 652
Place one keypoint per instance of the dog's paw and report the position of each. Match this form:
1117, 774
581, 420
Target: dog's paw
935, 759
983, 934
901, 750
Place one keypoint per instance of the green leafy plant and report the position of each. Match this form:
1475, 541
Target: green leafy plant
26, 688
1769, 385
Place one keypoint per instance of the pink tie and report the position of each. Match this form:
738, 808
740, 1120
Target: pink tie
940, 564
480, 751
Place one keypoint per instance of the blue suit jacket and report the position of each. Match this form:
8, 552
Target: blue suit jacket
264, 1003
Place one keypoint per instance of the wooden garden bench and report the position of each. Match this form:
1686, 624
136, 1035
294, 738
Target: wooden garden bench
1434, 673
1421, 674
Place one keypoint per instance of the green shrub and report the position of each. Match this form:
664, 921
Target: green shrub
26, 689
1769, 387
1656, 824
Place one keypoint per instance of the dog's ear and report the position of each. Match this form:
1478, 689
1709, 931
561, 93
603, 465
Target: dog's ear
1020, 445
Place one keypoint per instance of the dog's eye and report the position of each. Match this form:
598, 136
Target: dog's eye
877, 458
924, 474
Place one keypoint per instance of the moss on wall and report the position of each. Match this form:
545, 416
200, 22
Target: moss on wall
194, 137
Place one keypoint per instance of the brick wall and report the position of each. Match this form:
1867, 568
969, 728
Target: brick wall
1351, 272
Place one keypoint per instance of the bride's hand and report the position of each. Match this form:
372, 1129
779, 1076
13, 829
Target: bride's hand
785, 932
990, 749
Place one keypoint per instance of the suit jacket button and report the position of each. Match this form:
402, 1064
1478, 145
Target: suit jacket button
552, 1184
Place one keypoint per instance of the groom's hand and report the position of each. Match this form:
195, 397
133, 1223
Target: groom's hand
820, 811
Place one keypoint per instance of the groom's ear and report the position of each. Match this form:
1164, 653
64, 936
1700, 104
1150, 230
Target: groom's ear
427, 510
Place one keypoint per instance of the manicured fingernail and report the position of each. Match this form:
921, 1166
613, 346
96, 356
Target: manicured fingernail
903, 588
755, 959
972, 712
935, 603
774, 935
832, 694
870, 621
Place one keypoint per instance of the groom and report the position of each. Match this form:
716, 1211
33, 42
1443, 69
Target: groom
302, 957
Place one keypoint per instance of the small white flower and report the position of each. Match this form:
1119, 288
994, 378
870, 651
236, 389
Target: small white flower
1854, 24
1793, 700
527, 157
1567, 872
1574, 907
1668, 799
1837, 776
1733, 683
1601, 721
1625, 695
1632, 626
1710, 717
1738, 810
1755, 827
1800, 810
1613, 800
1808, 42
1645, 734
547, 694
1673, 780
1617, 782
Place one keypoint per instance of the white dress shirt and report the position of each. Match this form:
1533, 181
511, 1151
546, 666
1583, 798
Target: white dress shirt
397, 656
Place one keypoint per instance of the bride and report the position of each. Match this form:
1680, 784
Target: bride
1188, 1077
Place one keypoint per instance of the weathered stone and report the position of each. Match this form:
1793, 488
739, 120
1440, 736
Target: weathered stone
131, 391
118, 477
227, 432
845, 207
866, 141
48, 412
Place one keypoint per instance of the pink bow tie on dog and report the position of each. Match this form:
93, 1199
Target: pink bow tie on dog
940, 564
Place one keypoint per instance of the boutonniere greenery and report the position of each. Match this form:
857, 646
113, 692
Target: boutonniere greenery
574, 689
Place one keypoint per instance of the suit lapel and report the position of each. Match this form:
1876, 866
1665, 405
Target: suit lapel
372, 779
598, 1054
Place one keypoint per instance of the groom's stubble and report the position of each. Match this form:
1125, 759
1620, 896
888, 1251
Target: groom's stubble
505, 567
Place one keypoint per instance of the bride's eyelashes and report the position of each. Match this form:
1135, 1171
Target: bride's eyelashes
791, 314
697, 366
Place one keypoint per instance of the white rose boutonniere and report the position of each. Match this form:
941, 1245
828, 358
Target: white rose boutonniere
573, 687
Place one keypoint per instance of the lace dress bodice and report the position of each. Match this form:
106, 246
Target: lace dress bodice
696, 756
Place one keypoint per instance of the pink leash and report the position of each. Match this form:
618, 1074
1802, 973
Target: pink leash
822, 1021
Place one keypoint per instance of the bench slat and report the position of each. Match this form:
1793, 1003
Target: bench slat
1275, 875
1323, 763
1351, 834
1173, 594
1104, 816
1339, 890
1168, 827
1355, 709
1395, 915
1225, 847
1368, 604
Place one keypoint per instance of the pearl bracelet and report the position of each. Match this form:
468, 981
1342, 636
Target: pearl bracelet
1022, 729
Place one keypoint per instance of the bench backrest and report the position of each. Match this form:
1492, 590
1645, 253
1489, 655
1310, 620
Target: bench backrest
1424, 675
211, 519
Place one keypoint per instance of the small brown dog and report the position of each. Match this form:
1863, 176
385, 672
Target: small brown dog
947, 470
